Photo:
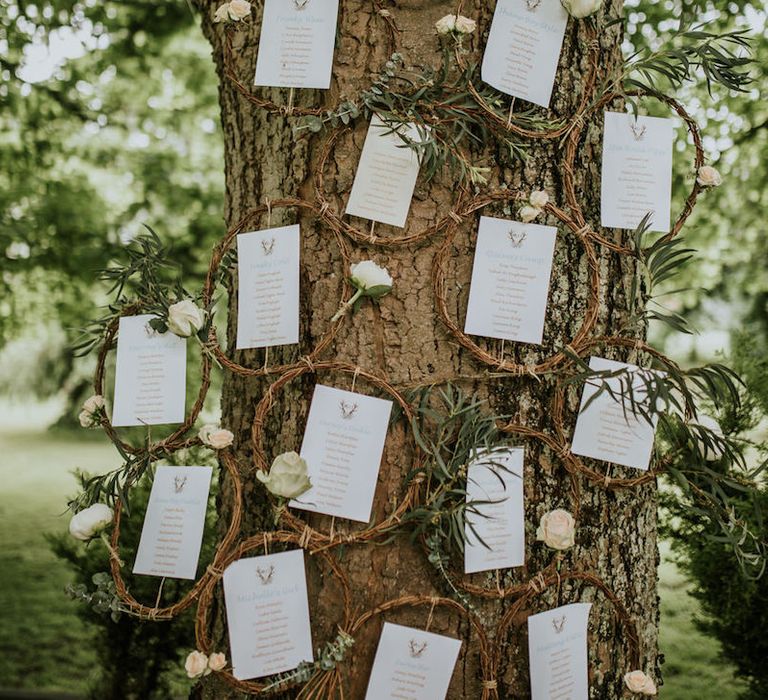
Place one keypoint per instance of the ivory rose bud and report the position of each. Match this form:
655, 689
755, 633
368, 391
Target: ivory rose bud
185, 318
90, 521
367, 275
445, 25
215, 437
638, 682
222, 13
89, 415
528, 213
557, 529
287, 476
196, 665
239, 9
709, 176
714, 450
581, 8
217, 662
465, 25
539, 199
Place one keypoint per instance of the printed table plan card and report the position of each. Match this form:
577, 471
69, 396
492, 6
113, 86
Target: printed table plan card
268, 290
174, 523
267, 614
637, 171
150, 374
510, 280
343, 445
524, 48
296, 44
386, 175
557, 650
412, 664
608, 429
495, 476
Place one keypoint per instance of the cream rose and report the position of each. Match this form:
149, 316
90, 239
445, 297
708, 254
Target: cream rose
196, 665
93, 404
557, 529
712, 451
538, 199
89, 415
217, 662
709, 176
239, 9
222, 13
581, 8
367, 275
528, 213
185, 318
90, 521
445, 25
215, 437
287, 476
638, 682
465, 25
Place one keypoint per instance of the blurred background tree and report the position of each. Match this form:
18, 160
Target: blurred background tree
109, 120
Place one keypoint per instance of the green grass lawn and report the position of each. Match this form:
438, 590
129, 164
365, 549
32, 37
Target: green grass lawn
43, 644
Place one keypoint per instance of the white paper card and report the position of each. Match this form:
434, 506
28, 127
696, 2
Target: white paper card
150, 375
343, 444
174, 522
524, 48
386, 176
557, 649
267, 614
496, 476
296, 44
268, 289
510, 280
637, 171
412, 664
603, 431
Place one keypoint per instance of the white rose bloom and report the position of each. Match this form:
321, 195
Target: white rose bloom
222, 13
239, 9
287, 476
217, 662
445, 25
215, 437
465, 25
367, 274
638, 682
528, 213
581, 8
94, 404
90, 521
709, 176
557, 529
539, 199
86, 419
710, 452
185, 318
196, 665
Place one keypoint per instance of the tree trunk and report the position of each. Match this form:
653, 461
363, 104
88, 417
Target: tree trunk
403, 339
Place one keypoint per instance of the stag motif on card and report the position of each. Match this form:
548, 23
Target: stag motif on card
416, 649
265, 575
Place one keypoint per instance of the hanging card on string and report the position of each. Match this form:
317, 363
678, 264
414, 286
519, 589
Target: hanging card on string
343, 445
174, 522
296, 43
495, 536
150, 374
510, 280
608, 428
386, 175
557, 651
268, 289
267, 614
412, 664
523, 48
637, 171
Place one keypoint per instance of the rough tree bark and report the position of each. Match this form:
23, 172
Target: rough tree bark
404, 339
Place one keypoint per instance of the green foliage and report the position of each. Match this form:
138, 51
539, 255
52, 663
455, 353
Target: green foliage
138, 659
